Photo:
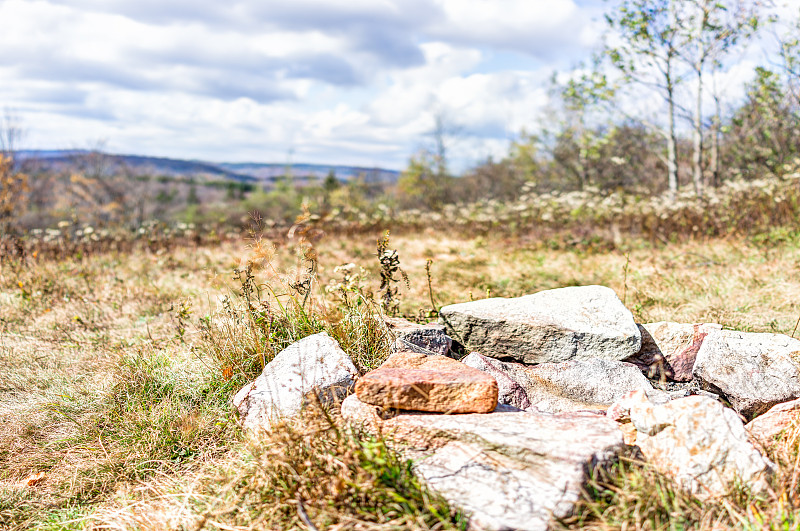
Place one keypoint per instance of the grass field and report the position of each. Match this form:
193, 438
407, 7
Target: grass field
116, 373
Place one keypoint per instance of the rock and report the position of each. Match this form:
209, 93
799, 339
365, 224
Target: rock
417, 360
410, 380
620, 410
509, 469
313, 364
669, 349
700, 443
628, 433
753, 371
583, 384
428, 338
778, 420
549, 326
577, 385
510, 392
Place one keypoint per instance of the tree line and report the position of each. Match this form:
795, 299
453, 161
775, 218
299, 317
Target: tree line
651, 112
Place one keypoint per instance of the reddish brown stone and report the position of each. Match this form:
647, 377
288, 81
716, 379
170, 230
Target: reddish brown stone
408, 359
669, 349
779, 420
418, 382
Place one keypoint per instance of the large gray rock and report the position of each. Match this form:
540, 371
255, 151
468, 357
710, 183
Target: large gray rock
315, 364
510, 392
550, 326
425, 338
698, 442
576, 385
669, 349
582, 384
754, 371
509, 469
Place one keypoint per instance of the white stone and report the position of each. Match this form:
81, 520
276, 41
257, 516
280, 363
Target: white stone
576, 385
754, 371
779, 421
700, 443
314, 364
509, 469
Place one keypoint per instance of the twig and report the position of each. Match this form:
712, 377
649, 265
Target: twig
428, 264
301, 512
625, 280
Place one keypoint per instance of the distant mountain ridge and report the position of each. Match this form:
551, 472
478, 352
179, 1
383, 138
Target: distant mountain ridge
254, 172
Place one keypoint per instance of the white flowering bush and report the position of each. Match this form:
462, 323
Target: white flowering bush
736, 206
70, 238
590, 215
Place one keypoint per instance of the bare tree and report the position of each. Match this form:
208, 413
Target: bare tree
789, 65
709, 31
102, 189
13, 183
646, 54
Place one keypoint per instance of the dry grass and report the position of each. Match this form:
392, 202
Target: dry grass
71, 332
738, 283
632, 495
117, 370
311, 473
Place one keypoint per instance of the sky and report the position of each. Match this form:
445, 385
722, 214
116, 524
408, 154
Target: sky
357, 82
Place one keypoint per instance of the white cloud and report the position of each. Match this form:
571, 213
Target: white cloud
345, 81
534, 27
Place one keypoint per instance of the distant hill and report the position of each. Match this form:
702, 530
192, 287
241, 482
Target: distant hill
253, 172
270, 171
64, 160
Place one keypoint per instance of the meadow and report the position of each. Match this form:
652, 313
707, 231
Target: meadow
118, 364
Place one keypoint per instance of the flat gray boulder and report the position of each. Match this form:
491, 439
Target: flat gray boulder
754, 371
550, 326
698, 442
315, 364
509, 469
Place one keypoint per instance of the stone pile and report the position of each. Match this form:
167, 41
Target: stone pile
557, 383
